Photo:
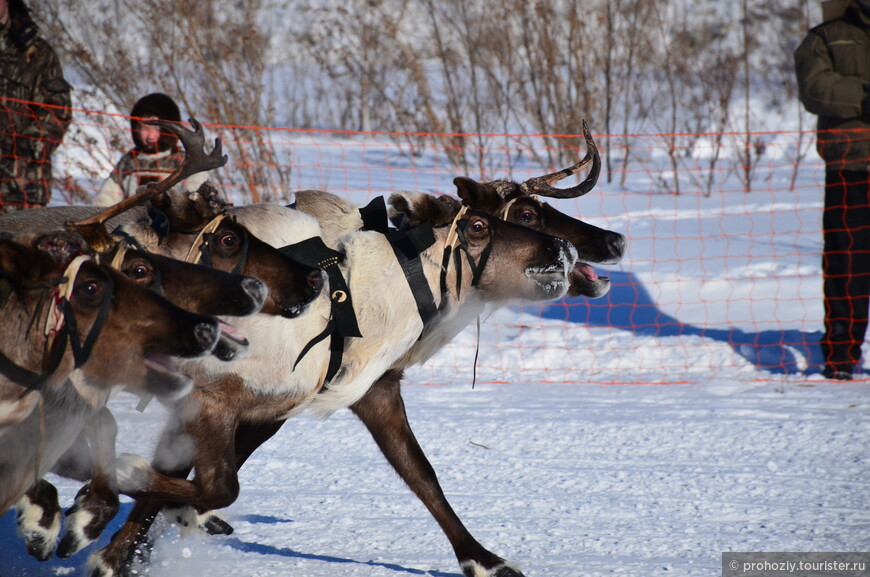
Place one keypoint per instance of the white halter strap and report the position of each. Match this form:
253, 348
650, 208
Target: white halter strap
118, 259
507, 208
452, 237
54, 320
194, 254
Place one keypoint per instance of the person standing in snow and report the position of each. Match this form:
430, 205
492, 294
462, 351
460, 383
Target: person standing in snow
34, 109
154, 156
833, 73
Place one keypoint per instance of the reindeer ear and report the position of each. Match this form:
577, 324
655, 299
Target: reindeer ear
190, 210
62, 246
476, 195
412, 208
208, 200
16, 261
162, 202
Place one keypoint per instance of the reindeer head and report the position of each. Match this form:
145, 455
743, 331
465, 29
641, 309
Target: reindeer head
199, 228
503, 261
94, 317
518, 203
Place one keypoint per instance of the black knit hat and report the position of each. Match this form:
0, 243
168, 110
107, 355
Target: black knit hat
23, 31
159, 105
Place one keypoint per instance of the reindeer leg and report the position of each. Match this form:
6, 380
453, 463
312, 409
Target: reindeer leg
249, 437
215, 485
97, 502
383, 413
39, 519
128, 543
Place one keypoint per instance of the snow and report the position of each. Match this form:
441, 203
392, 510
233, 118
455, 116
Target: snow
643, 434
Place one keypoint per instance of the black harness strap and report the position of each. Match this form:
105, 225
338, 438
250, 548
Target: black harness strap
15, 372
82, 351
68, 334
374, 215
408, 245
342, 323
28, 379
462, 245
476, 268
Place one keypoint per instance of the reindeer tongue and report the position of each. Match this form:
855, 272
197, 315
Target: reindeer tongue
161, 362
232, 333
586, 270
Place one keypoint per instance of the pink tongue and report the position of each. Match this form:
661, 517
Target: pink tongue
163, 361
231, 330
586, 271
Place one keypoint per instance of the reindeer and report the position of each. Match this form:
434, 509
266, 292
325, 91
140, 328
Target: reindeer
72, 330
195, 228
498, 261
381, 409
202, 290
91, 458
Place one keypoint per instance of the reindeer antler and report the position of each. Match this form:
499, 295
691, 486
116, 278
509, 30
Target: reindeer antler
195, 161
543, 185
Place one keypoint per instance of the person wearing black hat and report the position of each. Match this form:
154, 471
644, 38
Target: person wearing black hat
833, 75
154, 155
35, 109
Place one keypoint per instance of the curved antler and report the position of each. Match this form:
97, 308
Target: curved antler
543, 185
195, 161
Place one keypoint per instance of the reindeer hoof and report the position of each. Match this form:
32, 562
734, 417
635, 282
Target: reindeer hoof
40, 545
124, 563
87, 519
214, 525
208, 522
475, 569
39, 520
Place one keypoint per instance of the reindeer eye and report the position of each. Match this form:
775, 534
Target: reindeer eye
229, 240
90, 289
527, 216
478, 226
139, 271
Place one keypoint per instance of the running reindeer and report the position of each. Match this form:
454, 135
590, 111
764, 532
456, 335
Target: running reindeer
378, 402
73, 329
200, 289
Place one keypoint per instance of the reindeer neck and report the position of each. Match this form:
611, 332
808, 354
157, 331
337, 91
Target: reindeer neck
28, 358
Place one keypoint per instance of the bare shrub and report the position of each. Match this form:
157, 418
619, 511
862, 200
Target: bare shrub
210, 56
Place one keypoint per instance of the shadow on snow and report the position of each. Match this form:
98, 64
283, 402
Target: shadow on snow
629, 307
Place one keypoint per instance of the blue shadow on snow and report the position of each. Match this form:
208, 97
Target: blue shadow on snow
629, 307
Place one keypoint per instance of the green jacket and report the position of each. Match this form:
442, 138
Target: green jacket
833, 74
30, 77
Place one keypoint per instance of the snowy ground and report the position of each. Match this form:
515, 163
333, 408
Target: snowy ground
566, 480
681, 418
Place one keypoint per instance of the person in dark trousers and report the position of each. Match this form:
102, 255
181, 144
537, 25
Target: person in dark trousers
34, 109
833, 73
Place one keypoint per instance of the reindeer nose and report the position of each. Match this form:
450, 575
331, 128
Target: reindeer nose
616, 243
255, 289
207, 334
315, 280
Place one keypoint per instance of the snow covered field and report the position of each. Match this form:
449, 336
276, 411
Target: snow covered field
691, 448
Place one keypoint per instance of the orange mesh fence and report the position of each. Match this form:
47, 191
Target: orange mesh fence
721, 280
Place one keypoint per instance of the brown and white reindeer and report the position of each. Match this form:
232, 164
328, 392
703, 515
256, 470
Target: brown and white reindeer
203, 290
194, 227
382, 409
73, 329
91, 457
497, 261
